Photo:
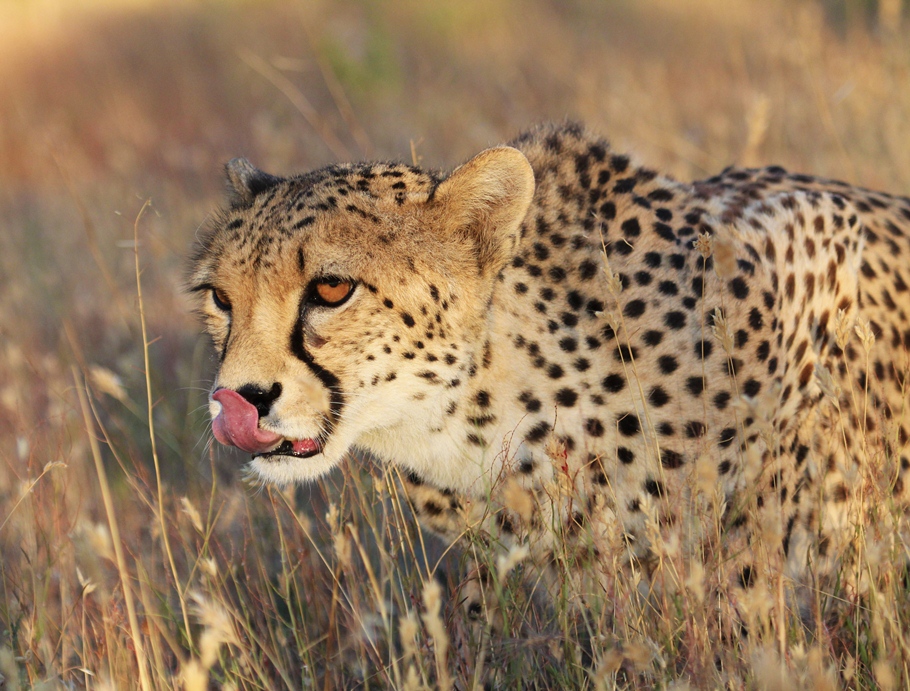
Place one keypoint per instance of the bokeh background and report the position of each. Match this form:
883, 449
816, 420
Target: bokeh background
106, 104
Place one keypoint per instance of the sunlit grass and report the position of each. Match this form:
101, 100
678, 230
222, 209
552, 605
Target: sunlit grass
181, 575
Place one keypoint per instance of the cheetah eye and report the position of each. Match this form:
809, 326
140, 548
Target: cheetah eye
221, 300
331, 291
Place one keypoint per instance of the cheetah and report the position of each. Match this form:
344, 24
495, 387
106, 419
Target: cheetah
554, 345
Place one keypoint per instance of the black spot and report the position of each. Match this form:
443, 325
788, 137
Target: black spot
622, 247
628, 424
476, 440
643, 278
568, 345
634, 309
670, 459
740, 288
703, 349
652, 338
575, 299
726, 437
608, 211
407, 319
652, 259
433, 509
752, 387
541, 252
482, 398
568, 319
593, 307
722, 400
566, 397
658, 397
755, 319
625, 455
594, 427
665, 231
668, 364
555, 371
675, 320
587, 269
631, 228
624, 185
538, 432
532, 404
655, 488
695, 429
695, 385
613, 383
668, 288
624, 353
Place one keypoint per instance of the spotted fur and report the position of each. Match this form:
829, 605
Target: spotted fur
557, 346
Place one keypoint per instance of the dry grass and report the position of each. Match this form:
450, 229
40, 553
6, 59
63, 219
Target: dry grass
131, 554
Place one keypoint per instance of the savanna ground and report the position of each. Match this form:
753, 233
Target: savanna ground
132, 553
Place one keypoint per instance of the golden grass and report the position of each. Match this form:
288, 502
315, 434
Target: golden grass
180, 575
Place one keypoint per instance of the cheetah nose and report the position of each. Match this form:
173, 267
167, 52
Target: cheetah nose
238, 424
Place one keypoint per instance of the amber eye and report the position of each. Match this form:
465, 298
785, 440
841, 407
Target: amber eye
221, 300
332, 291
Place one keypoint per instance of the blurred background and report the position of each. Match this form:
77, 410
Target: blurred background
105, 104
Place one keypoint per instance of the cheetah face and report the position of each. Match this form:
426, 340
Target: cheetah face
344, 304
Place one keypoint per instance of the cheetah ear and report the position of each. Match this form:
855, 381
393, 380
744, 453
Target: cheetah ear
485, 201
245, 181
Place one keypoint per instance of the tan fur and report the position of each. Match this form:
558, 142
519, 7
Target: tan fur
537, 389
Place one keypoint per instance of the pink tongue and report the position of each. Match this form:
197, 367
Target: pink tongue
238, 424
305, 446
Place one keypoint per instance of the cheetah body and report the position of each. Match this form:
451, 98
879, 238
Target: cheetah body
553, 343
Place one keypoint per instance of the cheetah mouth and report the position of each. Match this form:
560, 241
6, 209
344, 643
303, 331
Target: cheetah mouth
298, 448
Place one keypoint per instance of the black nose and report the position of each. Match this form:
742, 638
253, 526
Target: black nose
259, 397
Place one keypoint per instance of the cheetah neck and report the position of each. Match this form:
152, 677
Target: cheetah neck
464, 443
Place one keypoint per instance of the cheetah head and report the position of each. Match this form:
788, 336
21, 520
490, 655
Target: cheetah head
346, 305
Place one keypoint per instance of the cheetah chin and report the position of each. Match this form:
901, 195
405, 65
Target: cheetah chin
561, 349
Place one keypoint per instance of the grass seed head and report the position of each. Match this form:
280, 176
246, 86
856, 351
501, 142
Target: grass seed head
191, 512
704, 244
107, 382
218, 628
842, 330
866, 336
722, 332
518, 499
195, 677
